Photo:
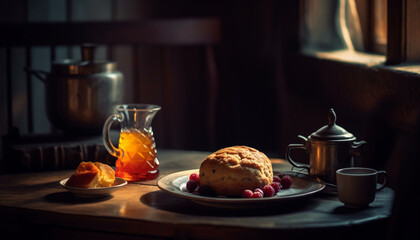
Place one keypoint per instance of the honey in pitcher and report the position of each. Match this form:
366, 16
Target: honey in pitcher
139, 162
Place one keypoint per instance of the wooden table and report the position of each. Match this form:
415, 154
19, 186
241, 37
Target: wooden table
35, 205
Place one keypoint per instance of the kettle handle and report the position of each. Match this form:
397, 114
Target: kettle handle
37, 73
297, 146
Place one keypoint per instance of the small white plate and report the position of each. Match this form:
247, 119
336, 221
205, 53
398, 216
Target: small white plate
94, 192
303, 186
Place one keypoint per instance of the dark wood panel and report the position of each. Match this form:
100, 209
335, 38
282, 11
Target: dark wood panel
171, 31
413, 33
396, 31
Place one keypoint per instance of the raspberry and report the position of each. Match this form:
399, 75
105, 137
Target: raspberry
276, 186
276, 179
257, 195
191, 185
195, 177
206, 191
259, 190
247, 193
281, 174
268, 191
286, 182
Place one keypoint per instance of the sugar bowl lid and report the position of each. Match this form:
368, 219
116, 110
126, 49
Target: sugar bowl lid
332, 132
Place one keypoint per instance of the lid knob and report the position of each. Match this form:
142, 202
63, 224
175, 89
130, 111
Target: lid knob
332, 132
88, 51
331, 117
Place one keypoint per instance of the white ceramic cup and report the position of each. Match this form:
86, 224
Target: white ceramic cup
357, 186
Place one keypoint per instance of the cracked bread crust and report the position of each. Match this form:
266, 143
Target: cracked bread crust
231, 170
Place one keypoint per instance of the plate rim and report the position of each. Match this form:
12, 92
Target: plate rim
96, 189
226, 200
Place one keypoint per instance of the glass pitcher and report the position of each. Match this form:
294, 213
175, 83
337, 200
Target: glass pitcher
136, 151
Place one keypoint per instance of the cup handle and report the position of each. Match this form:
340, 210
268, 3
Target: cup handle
297, 146
116, 152
385, 174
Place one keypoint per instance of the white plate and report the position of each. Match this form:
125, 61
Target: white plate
94, 192
303, 186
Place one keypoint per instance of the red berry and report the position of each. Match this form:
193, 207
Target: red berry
286, 182
191, 185
268, 191
195, 177
276, 179
257, 195
276, 186
247, 193
259, 190
281, 174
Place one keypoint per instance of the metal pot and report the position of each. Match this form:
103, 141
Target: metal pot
330, 148
80, 95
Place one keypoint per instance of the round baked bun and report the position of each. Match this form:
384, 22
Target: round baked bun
229, 171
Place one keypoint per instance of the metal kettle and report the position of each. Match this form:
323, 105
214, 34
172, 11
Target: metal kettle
80, 95
330, 148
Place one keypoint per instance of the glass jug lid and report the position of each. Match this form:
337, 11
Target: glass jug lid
332, 132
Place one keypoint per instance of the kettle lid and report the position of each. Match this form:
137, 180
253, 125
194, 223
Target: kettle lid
332, 132
86, 66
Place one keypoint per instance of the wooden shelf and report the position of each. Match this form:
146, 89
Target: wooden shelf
53, 152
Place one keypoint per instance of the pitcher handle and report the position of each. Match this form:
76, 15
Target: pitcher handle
297, 146
116, 152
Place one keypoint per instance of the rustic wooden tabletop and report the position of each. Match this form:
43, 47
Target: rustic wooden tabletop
33, 204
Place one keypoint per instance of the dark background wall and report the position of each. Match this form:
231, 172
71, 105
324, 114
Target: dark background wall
245, 59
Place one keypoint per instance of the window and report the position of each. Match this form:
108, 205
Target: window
403, 31
384, 27
378, 13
